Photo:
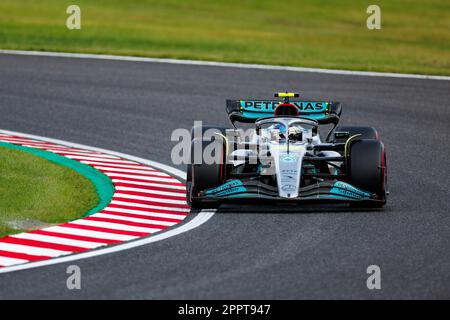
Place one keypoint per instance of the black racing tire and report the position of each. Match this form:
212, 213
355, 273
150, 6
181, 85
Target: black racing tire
363, 132
202, 176
189, 184
366, 168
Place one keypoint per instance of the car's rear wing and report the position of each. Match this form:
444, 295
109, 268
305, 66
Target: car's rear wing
249, 111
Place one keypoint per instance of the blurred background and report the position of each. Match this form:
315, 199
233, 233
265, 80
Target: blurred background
414, 35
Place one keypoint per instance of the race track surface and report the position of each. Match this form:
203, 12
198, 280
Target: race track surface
245, 252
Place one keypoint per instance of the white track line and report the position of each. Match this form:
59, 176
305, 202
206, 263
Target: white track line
222, 64
195, 222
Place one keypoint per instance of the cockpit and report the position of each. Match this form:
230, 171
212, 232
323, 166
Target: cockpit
281, 130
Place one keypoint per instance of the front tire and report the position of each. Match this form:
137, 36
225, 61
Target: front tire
366, 166
204, 175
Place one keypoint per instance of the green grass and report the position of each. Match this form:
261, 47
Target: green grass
415, 34
35, 192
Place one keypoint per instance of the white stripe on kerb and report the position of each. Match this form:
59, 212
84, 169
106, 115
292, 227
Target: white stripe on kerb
20, 248
139, 171
145, 213
146, 206
141, 177
58, 240
103, 163
78, 153
96, 158
5, 261
150, 191
115, 226
140, 220
89, 233
154, 198
150, 184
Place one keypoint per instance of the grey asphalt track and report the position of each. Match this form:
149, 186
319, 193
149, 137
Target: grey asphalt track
245, 253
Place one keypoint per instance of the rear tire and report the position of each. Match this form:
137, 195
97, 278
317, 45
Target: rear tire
367, 168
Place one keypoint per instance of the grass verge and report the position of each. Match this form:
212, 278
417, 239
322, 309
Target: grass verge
414, 35
35, 192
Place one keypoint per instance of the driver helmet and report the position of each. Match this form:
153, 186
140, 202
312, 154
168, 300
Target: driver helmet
295, 133
277, 131
280, 127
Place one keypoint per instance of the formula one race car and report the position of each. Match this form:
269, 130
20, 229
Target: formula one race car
283, 158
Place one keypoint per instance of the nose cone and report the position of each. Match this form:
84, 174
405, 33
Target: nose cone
288, 169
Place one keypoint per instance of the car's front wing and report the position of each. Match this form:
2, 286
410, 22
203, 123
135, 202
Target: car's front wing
324, 191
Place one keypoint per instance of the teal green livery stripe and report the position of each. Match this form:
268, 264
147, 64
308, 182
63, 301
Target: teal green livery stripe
102, 183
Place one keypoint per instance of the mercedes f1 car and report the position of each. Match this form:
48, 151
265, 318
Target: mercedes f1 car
285, 158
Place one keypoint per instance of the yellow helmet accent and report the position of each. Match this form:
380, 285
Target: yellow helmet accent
286, 95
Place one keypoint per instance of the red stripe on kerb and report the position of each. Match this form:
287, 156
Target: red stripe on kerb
129, 166
152, 195
75, 237
74, 153
130, 207
154, 188
148, 173
153, 203
107, 230
24, 256
140, 216
174, 182
25, 141
42, 244
125, 222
